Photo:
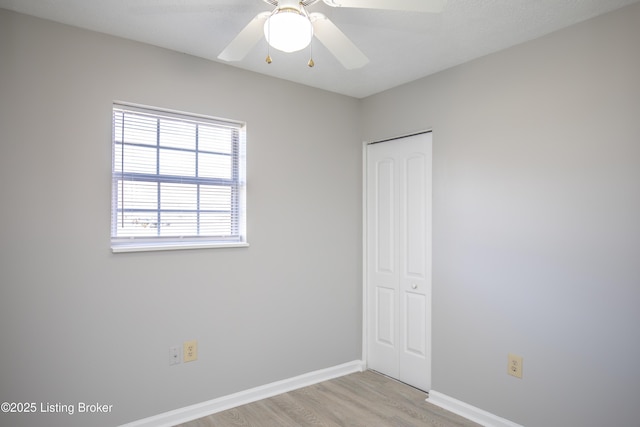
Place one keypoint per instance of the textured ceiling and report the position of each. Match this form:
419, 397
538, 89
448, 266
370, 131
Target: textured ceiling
401, 46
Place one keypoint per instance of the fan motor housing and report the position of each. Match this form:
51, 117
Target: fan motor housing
304, 3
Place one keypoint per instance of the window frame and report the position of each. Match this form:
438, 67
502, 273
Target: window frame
236, 183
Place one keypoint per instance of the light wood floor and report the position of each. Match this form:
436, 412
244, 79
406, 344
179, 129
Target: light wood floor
366, 399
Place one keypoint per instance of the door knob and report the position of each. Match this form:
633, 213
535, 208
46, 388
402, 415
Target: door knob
414, 286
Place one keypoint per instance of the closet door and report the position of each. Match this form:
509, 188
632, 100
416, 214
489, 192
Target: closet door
398, 259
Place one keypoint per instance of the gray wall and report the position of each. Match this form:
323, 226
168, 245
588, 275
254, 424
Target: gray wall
80, 324
536, 222
536, 230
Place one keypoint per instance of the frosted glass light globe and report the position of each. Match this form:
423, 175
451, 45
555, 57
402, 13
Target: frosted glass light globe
288, 30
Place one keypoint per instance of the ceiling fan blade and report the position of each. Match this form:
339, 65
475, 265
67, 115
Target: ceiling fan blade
246, 39
433, 6
337, 42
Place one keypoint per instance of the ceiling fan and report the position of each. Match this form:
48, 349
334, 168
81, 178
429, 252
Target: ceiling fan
290, 28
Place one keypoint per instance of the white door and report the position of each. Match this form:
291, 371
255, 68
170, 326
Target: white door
398, 259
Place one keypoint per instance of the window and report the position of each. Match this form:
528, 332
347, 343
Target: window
178, 181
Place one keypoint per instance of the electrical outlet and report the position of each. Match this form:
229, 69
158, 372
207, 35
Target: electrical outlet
190, 351
174, 355
514, 366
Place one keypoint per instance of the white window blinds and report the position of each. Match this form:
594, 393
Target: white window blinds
178, 180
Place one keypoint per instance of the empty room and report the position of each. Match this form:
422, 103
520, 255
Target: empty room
196, 217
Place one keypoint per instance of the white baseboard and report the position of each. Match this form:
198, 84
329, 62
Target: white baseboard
199, 410
472, 413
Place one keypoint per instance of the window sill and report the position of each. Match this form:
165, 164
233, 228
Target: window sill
149, 247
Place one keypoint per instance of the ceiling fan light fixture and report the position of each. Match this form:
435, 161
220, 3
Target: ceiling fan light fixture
288, 30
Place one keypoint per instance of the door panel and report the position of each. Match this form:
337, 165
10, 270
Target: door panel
385, 216
398, 259
415, 324
386, 317
382, 260
415, 216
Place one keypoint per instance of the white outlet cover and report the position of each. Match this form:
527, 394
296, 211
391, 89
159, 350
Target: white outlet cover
174, 355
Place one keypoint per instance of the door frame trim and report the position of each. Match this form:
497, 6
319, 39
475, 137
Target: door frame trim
365, 309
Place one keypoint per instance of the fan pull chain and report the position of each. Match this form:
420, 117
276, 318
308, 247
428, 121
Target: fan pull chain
311, 63
268, 58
